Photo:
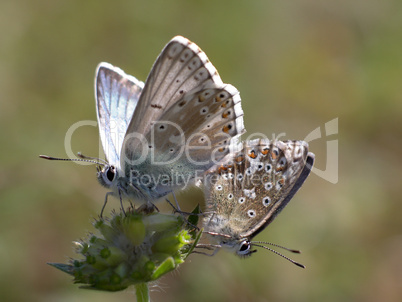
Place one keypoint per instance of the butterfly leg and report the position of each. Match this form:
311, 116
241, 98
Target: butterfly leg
208, 247
121, 203
175, 210
147, 207
184, 213
176, 201
104, 204
152, 206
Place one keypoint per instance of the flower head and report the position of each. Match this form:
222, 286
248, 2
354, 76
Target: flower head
131, 248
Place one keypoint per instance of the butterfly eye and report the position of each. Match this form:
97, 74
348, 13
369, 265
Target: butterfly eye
110, 173
244, 248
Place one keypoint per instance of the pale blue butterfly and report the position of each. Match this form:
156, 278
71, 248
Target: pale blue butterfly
248, 190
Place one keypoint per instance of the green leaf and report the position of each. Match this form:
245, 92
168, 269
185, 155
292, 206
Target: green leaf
163, 268
69, 269
192, 247
193, 219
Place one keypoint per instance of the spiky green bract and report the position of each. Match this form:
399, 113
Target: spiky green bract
131, 249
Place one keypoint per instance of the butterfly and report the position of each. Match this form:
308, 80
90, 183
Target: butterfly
160, 136
250, 187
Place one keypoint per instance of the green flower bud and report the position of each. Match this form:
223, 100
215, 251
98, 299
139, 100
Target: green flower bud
162, 222
107, 231
169, 245
134, 229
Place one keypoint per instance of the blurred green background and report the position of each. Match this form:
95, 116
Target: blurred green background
297, 64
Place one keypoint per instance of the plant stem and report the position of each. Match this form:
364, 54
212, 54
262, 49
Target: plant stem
142, 292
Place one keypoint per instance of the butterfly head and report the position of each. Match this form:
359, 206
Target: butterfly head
228, 239
107, 175
241, 247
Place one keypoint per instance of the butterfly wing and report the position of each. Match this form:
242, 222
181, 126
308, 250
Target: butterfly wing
297, 185
184, 106
116, 95
257, 183
205, 122
181, 67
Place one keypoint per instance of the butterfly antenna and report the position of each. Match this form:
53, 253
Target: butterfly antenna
279, 254
277, 245
79, 154
121, 204
72, 159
